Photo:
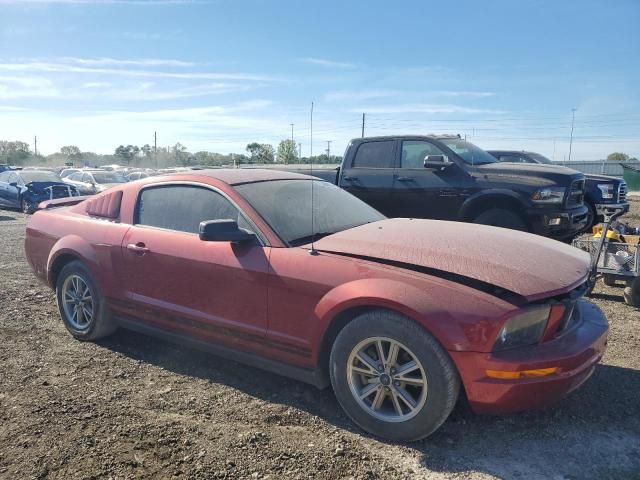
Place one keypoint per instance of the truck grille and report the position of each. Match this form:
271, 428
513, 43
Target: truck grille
575, 197
622, 192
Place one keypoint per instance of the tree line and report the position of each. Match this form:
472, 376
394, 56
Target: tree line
146, 156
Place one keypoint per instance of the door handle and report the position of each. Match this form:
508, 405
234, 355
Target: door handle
139, 248
405, 179
350, 179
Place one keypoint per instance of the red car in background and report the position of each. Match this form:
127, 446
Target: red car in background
396, 314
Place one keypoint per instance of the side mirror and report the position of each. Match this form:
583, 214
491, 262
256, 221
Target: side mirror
436, 161
226, 230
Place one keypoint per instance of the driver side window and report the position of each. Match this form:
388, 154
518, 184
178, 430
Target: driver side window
414, 151
183, 207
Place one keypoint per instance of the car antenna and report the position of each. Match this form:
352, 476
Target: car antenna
313, 251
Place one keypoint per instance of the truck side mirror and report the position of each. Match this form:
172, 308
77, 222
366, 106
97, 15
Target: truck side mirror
436, 161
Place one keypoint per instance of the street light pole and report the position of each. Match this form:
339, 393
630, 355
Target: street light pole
573, 119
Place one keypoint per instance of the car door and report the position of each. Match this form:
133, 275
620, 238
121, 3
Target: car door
89, 183
4, 187
75, 179
421, 192
370, 174
214, 291
12, 192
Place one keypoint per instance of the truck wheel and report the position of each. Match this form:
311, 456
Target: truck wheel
632, 292
609, 280
81, 304
392, 377
591, 218
500, 217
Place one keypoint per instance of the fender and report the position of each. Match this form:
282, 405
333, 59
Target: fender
431, 309
72, 245
471, 201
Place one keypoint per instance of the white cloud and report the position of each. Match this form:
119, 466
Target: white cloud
58, 67
26, 87
359, 95
96, 85
327, 63
423, 108
464, 93
114, 62
90, 2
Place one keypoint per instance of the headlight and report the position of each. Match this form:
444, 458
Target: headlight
523, 329
549, 195
607, 190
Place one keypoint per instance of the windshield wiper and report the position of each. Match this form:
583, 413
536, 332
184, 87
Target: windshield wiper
309, 238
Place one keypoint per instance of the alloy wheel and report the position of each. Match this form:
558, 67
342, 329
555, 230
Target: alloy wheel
387, 379
77, 302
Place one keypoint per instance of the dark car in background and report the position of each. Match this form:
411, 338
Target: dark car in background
90, 182
25, 189
601, 191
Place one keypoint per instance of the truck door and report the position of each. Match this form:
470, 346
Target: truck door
420, 192
369, 173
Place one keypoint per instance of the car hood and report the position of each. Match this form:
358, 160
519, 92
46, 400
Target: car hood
528, 173
602, 178
528, 265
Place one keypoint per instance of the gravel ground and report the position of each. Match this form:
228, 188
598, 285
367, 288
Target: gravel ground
136, 407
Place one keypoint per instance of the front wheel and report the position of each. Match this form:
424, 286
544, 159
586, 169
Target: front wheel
632, 292
81, 304
26, 207
392, 377
500, 217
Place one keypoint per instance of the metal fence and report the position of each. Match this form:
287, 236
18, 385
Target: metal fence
602, 167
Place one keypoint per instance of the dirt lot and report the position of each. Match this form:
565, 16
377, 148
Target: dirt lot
136, 407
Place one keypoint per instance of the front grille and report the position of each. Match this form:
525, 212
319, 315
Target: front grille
575, 197
622, 192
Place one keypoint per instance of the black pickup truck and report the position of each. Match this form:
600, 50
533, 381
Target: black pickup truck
445, 177
601, 192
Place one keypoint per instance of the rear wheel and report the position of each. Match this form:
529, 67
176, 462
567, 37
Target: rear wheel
500, 217
591, 217
82, 307
392, 377
609, 280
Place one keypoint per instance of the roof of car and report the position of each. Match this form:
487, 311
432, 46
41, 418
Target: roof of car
433, 136
237, 176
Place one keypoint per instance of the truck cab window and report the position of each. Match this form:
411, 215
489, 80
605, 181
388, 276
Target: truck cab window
374, 155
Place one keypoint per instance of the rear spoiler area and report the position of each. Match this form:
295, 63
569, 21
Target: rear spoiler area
61, 202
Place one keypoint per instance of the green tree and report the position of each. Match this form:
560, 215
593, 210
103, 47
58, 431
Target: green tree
13, 153
146, 150
126, 154
617, 157
180, 154
71, 153
287, 151
260, 153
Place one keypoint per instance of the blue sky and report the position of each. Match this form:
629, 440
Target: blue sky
216, 75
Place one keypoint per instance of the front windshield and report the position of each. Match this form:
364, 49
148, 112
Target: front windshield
286, 205
540, 158
28, 177
108, 177
468, 151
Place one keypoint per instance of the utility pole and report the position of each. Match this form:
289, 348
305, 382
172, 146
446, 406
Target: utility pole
362, 124
573, 119
293, 144
329, 151
299, 150
311, 136
35, 145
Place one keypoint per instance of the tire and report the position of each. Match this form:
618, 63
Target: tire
609, 280
25, 207
591, 218
500, 217
432, 404
75, 277
632, 292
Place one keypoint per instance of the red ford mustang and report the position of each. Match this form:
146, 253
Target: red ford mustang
396, 314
